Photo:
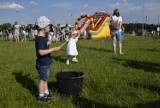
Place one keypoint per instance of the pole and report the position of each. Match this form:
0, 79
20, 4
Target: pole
158, 20
63, 44
143, 18
158, 29
146, 25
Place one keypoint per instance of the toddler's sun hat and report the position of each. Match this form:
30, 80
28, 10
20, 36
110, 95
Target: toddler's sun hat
42, 22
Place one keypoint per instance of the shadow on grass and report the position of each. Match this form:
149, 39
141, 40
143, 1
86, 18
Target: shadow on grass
96, 49
154, 104
150, 50
26, 82
152, 88
146, 66
153, 50
86, 103
79, 101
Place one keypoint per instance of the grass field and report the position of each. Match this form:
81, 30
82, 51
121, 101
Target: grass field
129, 80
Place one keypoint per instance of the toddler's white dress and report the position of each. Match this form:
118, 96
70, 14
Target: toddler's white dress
72, 47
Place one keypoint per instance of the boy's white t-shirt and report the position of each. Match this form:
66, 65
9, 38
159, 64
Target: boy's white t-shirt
115, 18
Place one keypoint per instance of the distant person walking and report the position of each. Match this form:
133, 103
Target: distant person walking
16, 31
44, 60
116, 30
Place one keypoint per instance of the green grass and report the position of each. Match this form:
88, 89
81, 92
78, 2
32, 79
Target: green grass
129, 80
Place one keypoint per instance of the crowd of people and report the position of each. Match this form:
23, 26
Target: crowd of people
20, 33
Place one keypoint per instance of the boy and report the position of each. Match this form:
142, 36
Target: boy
44, 60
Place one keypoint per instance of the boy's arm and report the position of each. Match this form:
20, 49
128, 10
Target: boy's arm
48, 51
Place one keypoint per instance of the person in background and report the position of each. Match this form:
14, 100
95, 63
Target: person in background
67, 32
44, 60
29, 32
116, 31
23, 35
16, 31
51, 33
6, 34
58, 33
10, 36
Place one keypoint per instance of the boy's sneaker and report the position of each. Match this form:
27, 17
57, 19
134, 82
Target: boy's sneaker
75, 60
43, 99
50, 95
67, 62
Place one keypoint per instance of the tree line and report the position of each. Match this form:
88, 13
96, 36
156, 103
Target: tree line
137, 27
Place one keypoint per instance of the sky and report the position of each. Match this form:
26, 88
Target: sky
67, 11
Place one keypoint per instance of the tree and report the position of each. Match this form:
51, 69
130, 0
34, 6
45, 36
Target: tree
5, 26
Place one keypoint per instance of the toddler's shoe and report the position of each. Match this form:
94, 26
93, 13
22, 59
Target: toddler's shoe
67, 62
75, 59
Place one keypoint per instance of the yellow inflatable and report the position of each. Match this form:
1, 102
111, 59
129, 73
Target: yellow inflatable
96, 25
88, 20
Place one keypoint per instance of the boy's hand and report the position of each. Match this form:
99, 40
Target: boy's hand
56, 49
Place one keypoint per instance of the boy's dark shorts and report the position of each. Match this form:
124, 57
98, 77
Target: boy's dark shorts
43, 71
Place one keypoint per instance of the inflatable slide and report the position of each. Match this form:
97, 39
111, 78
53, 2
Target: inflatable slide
86, 22
97, 25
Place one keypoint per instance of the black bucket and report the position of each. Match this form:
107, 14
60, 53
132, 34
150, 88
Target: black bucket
70, 82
